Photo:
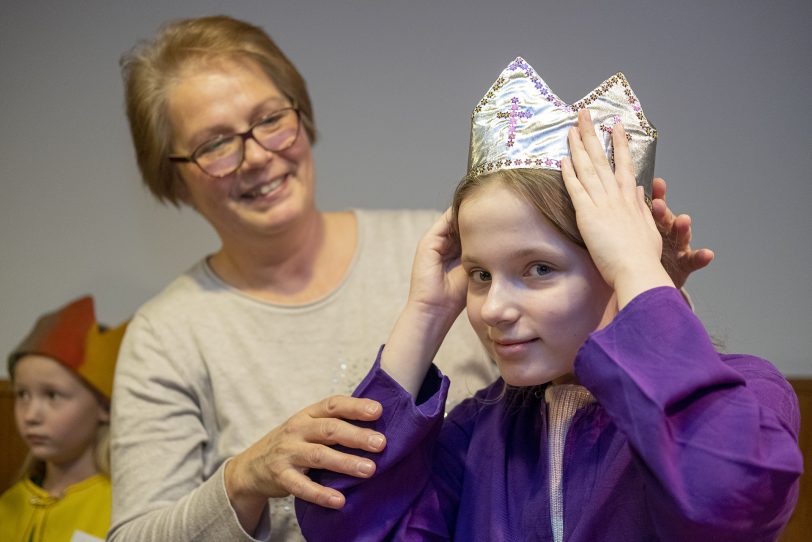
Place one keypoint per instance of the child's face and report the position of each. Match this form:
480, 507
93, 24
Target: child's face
56, 414
533, 295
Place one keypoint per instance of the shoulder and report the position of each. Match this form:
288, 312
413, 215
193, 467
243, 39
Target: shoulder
388, 239
403, 222
14, 497
188, 288
492, 400
770, 387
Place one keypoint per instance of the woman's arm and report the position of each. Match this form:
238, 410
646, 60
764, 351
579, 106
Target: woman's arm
159, 442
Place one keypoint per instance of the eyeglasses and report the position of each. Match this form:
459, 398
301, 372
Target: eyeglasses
224, 155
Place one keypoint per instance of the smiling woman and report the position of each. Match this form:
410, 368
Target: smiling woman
233, 382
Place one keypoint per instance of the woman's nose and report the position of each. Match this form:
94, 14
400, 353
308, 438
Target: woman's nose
255, 155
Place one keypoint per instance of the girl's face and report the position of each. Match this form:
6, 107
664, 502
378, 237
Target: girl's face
56, 414
533, 295
270, 190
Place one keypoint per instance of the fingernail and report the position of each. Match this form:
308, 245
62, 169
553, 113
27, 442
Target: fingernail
334, 501
375, 441
372, 408
365, 467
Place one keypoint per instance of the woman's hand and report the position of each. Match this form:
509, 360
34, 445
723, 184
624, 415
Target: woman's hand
436, 298
612, 216
276, 465
676, 230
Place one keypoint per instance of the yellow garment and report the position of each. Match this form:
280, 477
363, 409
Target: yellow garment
29, 514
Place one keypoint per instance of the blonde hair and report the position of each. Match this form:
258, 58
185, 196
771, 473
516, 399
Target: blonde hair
151, 66
545, 190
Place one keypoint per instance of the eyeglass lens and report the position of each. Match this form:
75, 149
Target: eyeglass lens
224, 156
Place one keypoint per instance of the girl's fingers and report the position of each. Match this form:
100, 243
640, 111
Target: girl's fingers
624, 167
572, 183
593, 145
582, 166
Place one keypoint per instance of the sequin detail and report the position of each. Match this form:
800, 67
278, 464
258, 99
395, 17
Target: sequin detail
542, 162
619, 79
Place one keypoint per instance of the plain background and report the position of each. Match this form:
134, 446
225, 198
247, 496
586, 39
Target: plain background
393, 83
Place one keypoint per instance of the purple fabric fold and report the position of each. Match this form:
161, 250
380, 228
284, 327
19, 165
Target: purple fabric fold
682, 444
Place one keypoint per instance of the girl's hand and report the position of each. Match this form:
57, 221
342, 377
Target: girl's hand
438, 282
611, 212
436, 298
676, 229
276, 465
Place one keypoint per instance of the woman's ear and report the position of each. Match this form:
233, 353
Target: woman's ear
182, 192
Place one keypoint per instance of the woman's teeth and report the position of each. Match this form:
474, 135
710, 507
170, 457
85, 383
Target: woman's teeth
265, 189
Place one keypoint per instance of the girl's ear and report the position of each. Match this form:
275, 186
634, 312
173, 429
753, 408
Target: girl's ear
609, 312
104, 414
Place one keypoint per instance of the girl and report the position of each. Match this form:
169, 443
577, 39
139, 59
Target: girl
62, 375
614, 418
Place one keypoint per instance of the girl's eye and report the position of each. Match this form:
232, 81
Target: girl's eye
21, 394
540, 269
52, 395
480, 276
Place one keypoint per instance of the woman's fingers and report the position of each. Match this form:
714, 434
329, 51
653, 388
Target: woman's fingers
324, 423
343, 406
302, 487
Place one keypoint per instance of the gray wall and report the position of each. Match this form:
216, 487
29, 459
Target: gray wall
393, 83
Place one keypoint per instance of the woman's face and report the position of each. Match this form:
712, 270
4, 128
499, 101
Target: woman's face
270, 190
533, 295
56, 414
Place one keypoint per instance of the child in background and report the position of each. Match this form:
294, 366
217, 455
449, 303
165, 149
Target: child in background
62, 376
614, 419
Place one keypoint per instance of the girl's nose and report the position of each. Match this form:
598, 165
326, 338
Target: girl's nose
32, 412
500, 307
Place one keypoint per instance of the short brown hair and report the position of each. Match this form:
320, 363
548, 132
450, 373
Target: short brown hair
150, 66
545, 190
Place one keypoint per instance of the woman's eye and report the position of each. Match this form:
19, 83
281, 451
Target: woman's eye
21, 394
270, 121
540, 269
214, 147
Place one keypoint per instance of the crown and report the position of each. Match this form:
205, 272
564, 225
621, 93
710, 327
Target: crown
521, 123
71, 336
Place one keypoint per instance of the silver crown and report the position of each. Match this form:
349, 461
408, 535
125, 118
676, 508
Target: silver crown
521, 123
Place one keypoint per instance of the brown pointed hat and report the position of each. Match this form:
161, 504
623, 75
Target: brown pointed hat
71, 336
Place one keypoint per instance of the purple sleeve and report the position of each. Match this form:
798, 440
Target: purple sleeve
379, 508
716, 436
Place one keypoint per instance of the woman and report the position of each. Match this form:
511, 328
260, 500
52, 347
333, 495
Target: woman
217, 391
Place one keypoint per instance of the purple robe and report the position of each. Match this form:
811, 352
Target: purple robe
682, 444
